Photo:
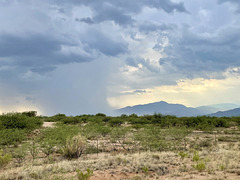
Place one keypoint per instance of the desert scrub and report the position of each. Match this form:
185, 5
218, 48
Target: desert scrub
47, 147
196, 156
58, 135
200, 166
84, 176
14, 127
19, 121
33, 149
145, 170
74, 147
12, 136
205, 143
183, 155
4, 158
19, 154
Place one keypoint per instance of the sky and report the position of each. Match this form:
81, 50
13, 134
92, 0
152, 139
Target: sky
89, 56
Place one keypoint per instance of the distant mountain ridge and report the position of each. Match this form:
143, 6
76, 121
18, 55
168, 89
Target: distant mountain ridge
174, 109
217, 107
229, 113
160, 107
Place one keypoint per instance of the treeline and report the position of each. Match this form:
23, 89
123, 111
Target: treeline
164, 121
14, 127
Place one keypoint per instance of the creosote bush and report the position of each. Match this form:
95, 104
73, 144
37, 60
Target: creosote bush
4, 158
33, 149
196, 156
84, 176
14, 127
12, 136
200, 166
183, 154
19, 121
74, 147
47, 147
20, 153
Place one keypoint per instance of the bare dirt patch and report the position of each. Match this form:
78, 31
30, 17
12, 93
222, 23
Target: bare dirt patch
49, 124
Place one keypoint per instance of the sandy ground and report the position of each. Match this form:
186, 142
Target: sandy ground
49, 124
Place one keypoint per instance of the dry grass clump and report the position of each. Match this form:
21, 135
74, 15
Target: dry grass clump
133, 163
151, 165
74, 147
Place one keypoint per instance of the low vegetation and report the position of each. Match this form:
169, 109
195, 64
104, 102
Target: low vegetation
123, 147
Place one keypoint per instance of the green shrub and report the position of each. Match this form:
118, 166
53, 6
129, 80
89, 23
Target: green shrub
47, 147
33, 149
200, 166
19, 121
145, 170
4, 158
19, 154
103, 130
222, 123
74, 147
106, 119
30, 113
140, 120
84, 176
12, 136
196, 156
71, 120
101, 114
133, 115
205, 143
183, 155
59, 134
116, 121
124, 116
57, 117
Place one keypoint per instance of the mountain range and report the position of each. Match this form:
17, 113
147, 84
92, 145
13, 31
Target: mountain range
229, 113
219, 110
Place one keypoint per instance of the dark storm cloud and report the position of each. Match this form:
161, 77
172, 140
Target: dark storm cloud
87, 20
148, 27
167, 5
121, 11
43, 69
40, 53
133, 6
101, 42
109, 13
196, 54
32, 45
43, 47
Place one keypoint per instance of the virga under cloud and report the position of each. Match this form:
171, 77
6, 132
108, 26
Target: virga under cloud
80, 56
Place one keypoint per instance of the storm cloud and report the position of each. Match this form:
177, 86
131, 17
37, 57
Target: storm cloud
71, 56
235, 2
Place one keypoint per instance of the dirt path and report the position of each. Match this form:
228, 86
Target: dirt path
49, 124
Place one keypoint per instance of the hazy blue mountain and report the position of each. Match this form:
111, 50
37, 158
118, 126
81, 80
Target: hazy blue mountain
207, 109
229, 113
161, 107
217, 107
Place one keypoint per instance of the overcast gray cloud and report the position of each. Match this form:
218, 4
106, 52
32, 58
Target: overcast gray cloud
236, 2
195, 54
121, 12
70, 56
